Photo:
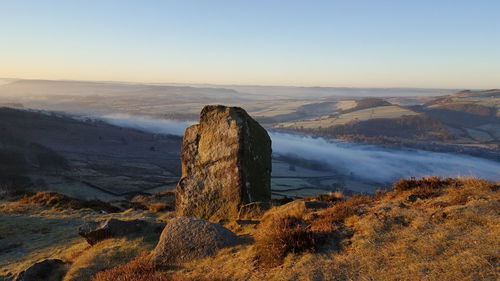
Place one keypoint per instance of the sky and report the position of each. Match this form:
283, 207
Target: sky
350, 43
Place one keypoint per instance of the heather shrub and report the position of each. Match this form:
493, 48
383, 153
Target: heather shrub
61, 201
425, 183
143, 269
328, 197
159, 207
280, 236
346, 208
426, 187
139, 269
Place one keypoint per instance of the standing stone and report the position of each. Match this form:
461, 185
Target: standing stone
226, 163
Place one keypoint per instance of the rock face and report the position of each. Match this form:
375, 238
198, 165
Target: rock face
226, 163
184, 239
94, 232
47, 270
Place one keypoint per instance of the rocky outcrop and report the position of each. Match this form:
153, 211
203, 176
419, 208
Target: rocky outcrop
226, 163
47, 270
184, 239
94, 232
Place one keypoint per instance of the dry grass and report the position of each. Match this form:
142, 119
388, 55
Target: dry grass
104, 255
62, 202
142, 269
292, 228
280, 236
41, 232
452, 243
447, 236
426, 184
346, 208
327, 197
158, 202
451, 235
159, 207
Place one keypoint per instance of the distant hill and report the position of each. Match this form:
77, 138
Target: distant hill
370, 102
85, 158
104, 97
485, 103
467, 118
373, 118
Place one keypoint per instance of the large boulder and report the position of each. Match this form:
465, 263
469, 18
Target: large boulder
47, 270
226, 163
94, 232
184, 239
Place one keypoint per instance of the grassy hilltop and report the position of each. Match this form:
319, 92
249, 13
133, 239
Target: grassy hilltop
426, 229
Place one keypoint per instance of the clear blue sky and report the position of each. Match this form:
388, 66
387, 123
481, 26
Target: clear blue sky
449, 44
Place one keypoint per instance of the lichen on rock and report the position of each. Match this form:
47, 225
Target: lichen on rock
226, 163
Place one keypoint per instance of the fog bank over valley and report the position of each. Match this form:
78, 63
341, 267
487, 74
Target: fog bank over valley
369, 162
148, 124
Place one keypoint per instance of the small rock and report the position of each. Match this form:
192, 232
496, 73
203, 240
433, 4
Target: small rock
316, 205
247, 222
94, 232
413, 197
360, 211
47, 270
184, 239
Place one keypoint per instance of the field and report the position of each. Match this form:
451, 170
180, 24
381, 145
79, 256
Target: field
343, 118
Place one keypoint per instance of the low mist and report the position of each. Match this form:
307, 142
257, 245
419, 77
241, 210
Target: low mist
382, 164
369, 162
148, 124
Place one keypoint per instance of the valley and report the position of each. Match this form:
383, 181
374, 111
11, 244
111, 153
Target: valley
121, 139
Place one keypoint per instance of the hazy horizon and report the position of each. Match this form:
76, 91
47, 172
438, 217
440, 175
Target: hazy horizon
361, 44
203, 84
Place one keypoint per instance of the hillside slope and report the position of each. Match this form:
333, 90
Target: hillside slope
87, 158
466, 121
427, 229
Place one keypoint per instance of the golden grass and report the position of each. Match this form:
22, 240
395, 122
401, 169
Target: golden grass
327, 197
280, 236
345, 209
391, 238
159, 207
139, 269
142, 269
105, 255
36, 232
425, 243
61, 202
452, 235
